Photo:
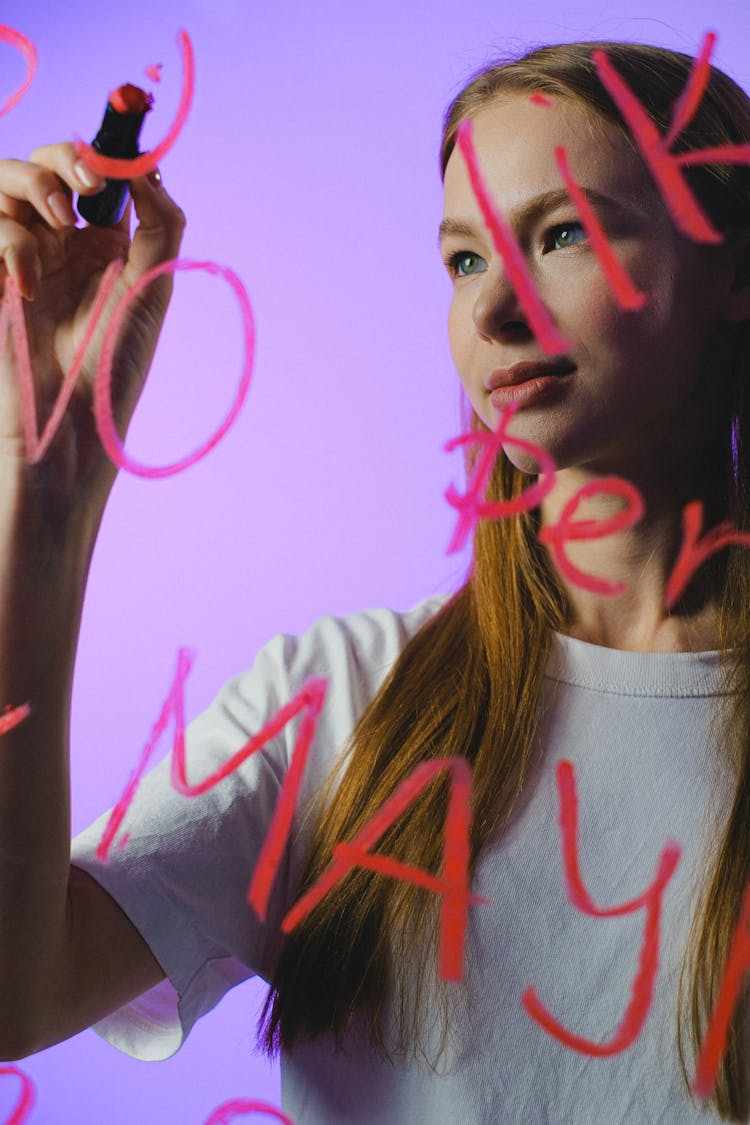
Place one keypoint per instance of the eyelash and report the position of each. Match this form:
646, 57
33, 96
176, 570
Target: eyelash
454, 259
550, 234
549, 237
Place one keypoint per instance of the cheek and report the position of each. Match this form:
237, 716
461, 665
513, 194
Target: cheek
461, 335
455, 333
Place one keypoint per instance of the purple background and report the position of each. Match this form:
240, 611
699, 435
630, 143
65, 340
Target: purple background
308, 165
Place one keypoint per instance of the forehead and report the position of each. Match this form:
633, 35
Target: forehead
515, 140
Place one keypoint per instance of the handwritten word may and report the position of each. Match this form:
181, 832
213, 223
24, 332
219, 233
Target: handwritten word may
453, 886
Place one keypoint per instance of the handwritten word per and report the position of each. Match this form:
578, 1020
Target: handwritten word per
694, 551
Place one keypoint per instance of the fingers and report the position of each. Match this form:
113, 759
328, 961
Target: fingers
62, 160
44, 185
39, 187
160, 226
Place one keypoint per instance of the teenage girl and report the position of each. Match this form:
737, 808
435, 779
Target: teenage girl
520, 670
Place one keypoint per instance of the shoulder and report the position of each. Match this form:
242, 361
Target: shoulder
355, 646
353, 653
364, 642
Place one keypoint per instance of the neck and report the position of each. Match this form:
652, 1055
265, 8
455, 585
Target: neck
643, 556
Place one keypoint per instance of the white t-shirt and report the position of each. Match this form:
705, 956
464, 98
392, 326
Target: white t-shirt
637, 728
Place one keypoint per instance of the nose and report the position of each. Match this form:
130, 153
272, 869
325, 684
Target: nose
497, 312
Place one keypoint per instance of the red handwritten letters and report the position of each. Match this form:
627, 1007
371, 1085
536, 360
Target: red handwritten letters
665, 167
648, 962
567, 528
24, 1105
102, 386
128, 169
453, 885
471, 506
223, 1114
26, 48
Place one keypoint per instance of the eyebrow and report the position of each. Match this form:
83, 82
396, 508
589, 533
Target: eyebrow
530, 211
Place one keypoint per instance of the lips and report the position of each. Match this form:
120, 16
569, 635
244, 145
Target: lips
524, 372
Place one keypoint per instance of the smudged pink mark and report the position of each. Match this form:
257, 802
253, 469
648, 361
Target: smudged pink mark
22, 1109
627, 295
128, 169
714, 1043
471, 505
12, 716
12, 320
542, 325
648, 962
666, 168
153, 71
103, 380
694, 550
229, 1110
538, 98
567, 529
25, 47
452, 886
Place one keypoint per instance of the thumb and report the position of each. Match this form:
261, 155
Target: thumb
161, 223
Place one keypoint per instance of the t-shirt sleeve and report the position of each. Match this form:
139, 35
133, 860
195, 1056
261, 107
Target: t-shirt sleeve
183, 872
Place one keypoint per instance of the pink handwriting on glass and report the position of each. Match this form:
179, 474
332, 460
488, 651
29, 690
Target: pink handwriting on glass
666, 169
223, 1114
453, 887
13, 323
23, 1106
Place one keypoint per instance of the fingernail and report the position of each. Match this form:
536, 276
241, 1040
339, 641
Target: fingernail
86, 176
154, 178
61, 208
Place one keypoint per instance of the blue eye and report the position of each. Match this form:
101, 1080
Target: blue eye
464, 263
554, 235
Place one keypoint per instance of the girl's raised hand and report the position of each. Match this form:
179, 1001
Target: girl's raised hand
57, 267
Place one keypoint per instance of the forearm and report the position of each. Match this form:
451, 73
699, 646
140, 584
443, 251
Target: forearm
42, 581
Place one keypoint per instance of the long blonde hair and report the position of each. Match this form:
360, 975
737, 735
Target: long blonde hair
468, 683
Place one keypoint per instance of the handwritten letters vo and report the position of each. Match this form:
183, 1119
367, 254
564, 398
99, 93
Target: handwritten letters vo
453, 885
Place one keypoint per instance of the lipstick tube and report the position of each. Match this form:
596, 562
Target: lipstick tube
117, 137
